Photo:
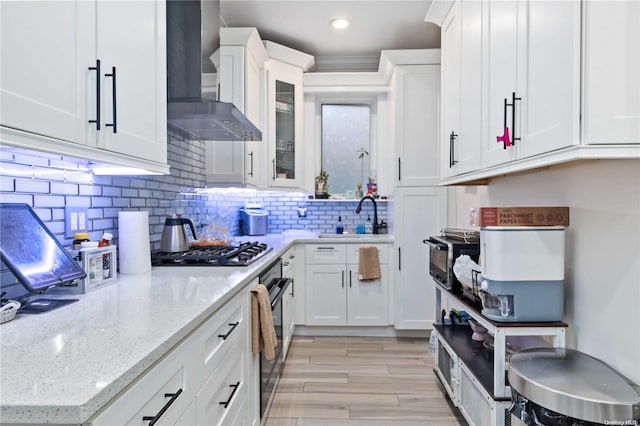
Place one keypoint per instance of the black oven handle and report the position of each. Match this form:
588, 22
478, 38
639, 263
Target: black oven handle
435, 245
280, 286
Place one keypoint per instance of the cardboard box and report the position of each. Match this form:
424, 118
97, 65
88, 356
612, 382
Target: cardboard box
519, 216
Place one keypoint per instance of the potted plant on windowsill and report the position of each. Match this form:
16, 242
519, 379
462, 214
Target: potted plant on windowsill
322, 185
361, 154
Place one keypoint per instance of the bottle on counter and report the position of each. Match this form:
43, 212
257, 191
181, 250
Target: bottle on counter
79, 238
368, 226
339, 226
106, 240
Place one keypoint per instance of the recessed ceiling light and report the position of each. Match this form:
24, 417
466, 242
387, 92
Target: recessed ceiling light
339, 23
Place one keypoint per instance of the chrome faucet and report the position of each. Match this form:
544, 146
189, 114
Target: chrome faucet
376, 225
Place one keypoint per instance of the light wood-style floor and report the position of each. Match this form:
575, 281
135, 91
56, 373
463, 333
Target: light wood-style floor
360, 381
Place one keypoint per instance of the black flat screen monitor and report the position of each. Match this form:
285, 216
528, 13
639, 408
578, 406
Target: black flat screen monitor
31, 252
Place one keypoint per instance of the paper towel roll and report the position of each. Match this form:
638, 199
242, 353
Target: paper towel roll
133, 242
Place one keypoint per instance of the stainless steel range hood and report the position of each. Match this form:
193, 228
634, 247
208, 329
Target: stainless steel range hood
187, 109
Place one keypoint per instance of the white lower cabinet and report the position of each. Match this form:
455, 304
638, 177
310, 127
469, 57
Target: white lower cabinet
219, 400
208, 379
334, 294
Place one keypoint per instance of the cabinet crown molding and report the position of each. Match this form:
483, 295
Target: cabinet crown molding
438, 10
288, 55
247, 37
389, 59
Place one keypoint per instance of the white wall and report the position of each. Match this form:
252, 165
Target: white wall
602, 293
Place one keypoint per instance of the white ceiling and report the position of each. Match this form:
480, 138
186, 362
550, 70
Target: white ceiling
303, 25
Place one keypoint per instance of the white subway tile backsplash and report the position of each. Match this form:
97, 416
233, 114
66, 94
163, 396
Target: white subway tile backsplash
32, 186
68, 189
49, 201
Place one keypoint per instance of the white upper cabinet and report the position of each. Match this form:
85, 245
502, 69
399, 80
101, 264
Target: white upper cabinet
413, 78
559, 76
81, 75
611, 77
417, 111
532, 70
131, 43
285, 118
240, 64
47, 87
461, 88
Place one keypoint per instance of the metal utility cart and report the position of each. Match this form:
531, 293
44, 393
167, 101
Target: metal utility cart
473, 375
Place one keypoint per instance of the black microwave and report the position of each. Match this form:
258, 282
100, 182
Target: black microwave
443, 252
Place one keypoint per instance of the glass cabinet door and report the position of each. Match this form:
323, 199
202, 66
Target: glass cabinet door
285, 161
285, 100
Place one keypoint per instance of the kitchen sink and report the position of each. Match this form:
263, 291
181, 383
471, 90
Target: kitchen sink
345, 235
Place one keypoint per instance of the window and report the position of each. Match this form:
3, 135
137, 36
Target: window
346, 145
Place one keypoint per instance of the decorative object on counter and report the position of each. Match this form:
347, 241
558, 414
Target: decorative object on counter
8, 308
372, 187
133, 238
322, 185
359, 193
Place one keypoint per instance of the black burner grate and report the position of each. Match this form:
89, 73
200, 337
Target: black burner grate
236, 255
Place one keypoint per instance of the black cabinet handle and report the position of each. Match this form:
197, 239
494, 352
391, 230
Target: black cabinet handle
113, 95
273, 162
350, 280
251, 172
452, 138
226, 403
233, 327
399, 168
342, 279
98, 77
154, 419
399, 259
292, 285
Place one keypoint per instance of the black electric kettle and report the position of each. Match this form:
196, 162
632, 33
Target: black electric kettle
174, 238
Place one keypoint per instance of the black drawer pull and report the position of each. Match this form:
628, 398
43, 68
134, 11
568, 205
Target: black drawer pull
98, 77
154, 419
226, 403
233, 327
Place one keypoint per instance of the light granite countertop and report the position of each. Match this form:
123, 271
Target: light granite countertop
62, 366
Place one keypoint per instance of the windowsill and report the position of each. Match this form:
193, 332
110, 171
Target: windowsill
343, 200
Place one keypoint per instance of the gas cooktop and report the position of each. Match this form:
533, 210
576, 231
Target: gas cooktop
235, 255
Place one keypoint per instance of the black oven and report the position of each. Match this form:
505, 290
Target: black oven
443, 252
270, 370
